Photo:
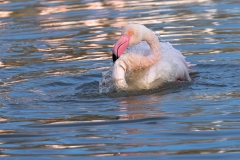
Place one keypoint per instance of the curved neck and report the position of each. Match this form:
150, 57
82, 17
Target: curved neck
153, 42
133, 61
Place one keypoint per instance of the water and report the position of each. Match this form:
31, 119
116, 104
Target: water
53, 54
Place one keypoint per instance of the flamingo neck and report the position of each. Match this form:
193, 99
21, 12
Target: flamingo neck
154, 44
129, 62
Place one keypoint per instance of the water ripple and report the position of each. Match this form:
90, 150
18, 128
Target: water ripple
52, 54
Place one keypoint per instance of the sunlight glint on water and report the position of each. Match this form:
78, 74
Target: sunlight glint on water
53, 53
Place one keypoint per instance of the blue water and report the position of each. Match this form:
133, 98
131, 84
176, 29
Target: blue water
53, 54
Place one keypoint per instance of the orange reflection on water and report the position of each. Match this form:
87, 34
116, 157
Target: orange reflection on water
94, 22
4, 14
50, 10
138, 108
119, 22
117, 4
166, 3
94, 5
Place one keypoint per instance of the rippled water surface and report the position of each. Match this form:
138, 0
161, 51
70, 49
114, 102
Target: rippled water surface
53, 54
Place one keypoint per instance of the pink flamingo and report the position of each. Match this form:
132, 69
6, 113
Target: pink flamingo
148, 63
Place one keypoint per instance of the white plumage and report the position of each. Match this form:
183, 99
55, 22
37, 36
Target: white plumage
146, 63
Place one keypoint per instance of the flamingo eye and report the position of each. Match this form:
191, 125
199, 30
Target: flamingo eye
130, 33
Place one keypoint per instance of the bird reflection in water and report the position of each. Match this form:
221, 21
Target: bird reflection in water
139, 107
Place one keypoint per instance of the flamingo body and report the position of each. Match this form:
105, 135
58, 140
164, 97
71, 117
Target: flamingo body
147, 63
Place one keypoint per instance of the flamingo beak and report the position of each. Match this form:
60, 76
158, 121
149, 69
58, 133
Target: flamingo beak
120, 46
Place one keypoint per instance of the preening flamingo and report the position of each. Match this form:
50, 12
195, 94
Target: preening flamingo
148, 63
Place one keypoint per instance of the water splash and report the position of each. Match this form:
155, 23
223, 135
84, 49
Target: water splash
106, 84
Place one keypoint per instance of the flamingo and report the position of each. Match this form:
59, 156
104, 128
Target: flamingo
146, 62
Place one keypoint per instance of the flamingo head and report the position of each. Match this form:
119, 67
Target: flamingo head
131, 35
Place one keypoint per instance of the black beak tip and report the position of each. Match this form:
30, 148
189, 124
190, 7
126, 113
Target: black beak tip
114, 57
